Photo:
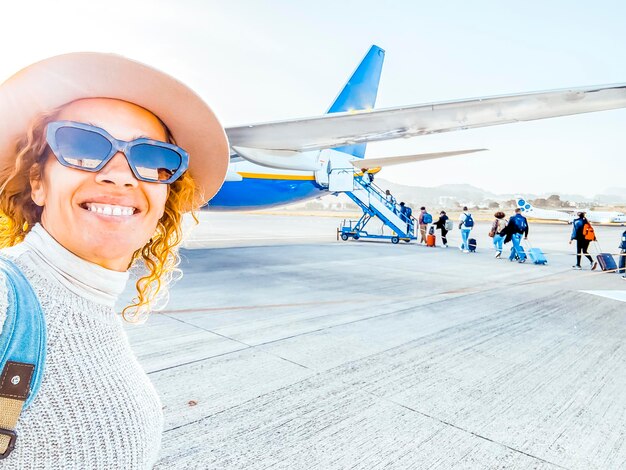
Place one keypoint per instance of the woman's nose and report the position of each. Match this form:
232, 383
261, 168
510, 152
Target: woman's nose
117, 171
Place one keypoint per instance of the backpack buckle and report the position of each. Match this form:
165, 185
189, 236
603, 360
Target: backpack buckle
12, 438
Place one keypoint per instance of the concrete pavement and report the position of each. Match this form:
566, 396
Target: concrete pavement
284, 352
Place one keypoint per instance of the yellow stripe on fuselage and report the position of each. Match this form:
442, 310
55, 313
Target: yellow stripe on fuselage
267, 176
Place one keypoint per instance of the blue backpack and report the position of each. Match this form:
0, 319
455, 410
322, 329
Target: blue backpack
521, 224
22, 347
623, 244
469, 221
427, 218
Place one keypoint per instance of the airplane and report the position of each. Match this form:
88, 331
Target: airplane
282, 162
568, 215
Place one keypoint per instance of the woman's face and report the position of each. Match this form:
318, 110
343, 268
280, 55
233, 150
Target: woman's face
67, 194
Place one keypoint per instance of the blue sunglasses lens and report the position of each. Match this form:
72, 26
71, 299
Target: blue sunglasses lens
155, 163
85, 149
82, 148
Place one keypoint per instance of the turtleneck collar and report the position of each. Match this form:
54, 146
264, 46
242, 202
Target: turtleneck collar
84, 278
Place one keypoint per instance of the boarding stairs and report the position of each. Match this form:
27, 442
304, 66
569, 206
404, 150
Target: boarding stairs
372, 201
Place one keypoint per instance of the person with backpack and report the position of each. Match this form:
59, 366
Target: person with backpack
100, 158
424, 219
514, 231
584, 234
367, 177
622, 256
405, 214
443, 224
496, 232
466, 224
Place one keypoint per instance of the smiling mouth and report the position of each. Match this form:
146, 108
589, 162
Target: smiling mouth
109, 209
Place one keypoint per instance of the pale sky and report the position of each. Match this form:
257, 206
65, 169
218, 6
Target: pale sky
256, 61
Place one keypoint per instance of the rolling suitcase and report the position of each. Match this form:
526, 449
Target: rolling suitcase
472, 245
536, 255
431, 240
606, 260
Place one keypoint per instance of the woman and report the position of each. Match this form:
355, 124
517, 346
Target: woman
441, 225
583, 233
497, 228
466, 224
93, 156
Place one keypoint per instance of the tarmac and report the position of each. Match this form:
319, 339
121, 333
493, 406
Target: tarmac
283, 348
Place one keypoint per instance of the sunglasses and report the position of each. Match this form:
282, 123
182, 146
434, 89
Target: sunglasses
90, 148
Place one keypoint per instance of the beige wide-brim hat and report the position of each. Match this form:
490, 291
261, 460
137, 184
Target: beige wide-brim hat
55, 81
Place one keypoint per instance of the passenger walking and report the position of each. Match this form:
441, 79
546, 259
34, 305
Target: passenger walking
497, 228
368, 178
424, 219
390, 201
389, 198
442, 224
622, 256
100, 157
466, 224
514, 230
584, 234
405, 214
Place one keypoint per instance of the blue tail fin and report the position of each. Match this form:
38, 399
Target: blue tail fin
360, 92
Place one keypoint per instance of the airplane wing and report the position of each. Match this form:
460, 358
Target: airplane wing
380, 162
338, 129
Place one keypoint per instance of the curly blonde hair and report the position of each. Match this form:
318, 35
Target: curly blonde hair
18, 214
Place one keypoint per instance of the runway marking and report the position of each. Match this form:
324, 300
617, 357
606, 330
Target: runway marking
208, 241
269, 237
619, 295
254, 307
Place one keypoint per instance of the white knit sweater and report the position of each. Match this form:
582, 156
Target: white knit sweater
96, 408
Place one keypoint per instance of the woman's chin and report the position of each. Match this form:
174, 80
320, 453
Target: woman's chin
109, 251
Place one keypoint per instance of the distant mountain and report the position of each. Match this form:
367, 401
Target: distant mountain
455, 195
612, 196
444, 196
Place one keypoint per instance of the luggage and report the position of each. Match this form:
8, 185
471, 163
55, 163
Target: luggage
449, 224
607, 262
431, 240
536, 255
588, 232
472, 244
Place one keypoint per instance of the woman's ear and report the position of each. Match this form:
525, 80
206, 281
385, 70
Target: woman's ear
37, 190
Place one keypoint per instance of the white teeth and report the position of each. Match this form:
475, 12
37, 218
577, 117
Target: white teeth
111, 210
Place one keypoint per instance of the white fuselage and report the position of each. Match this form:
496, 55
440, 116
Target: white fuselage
598, 217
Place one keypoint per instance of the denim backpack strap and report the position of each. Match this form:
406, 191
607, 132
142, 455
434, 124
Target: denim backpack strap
22, 352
